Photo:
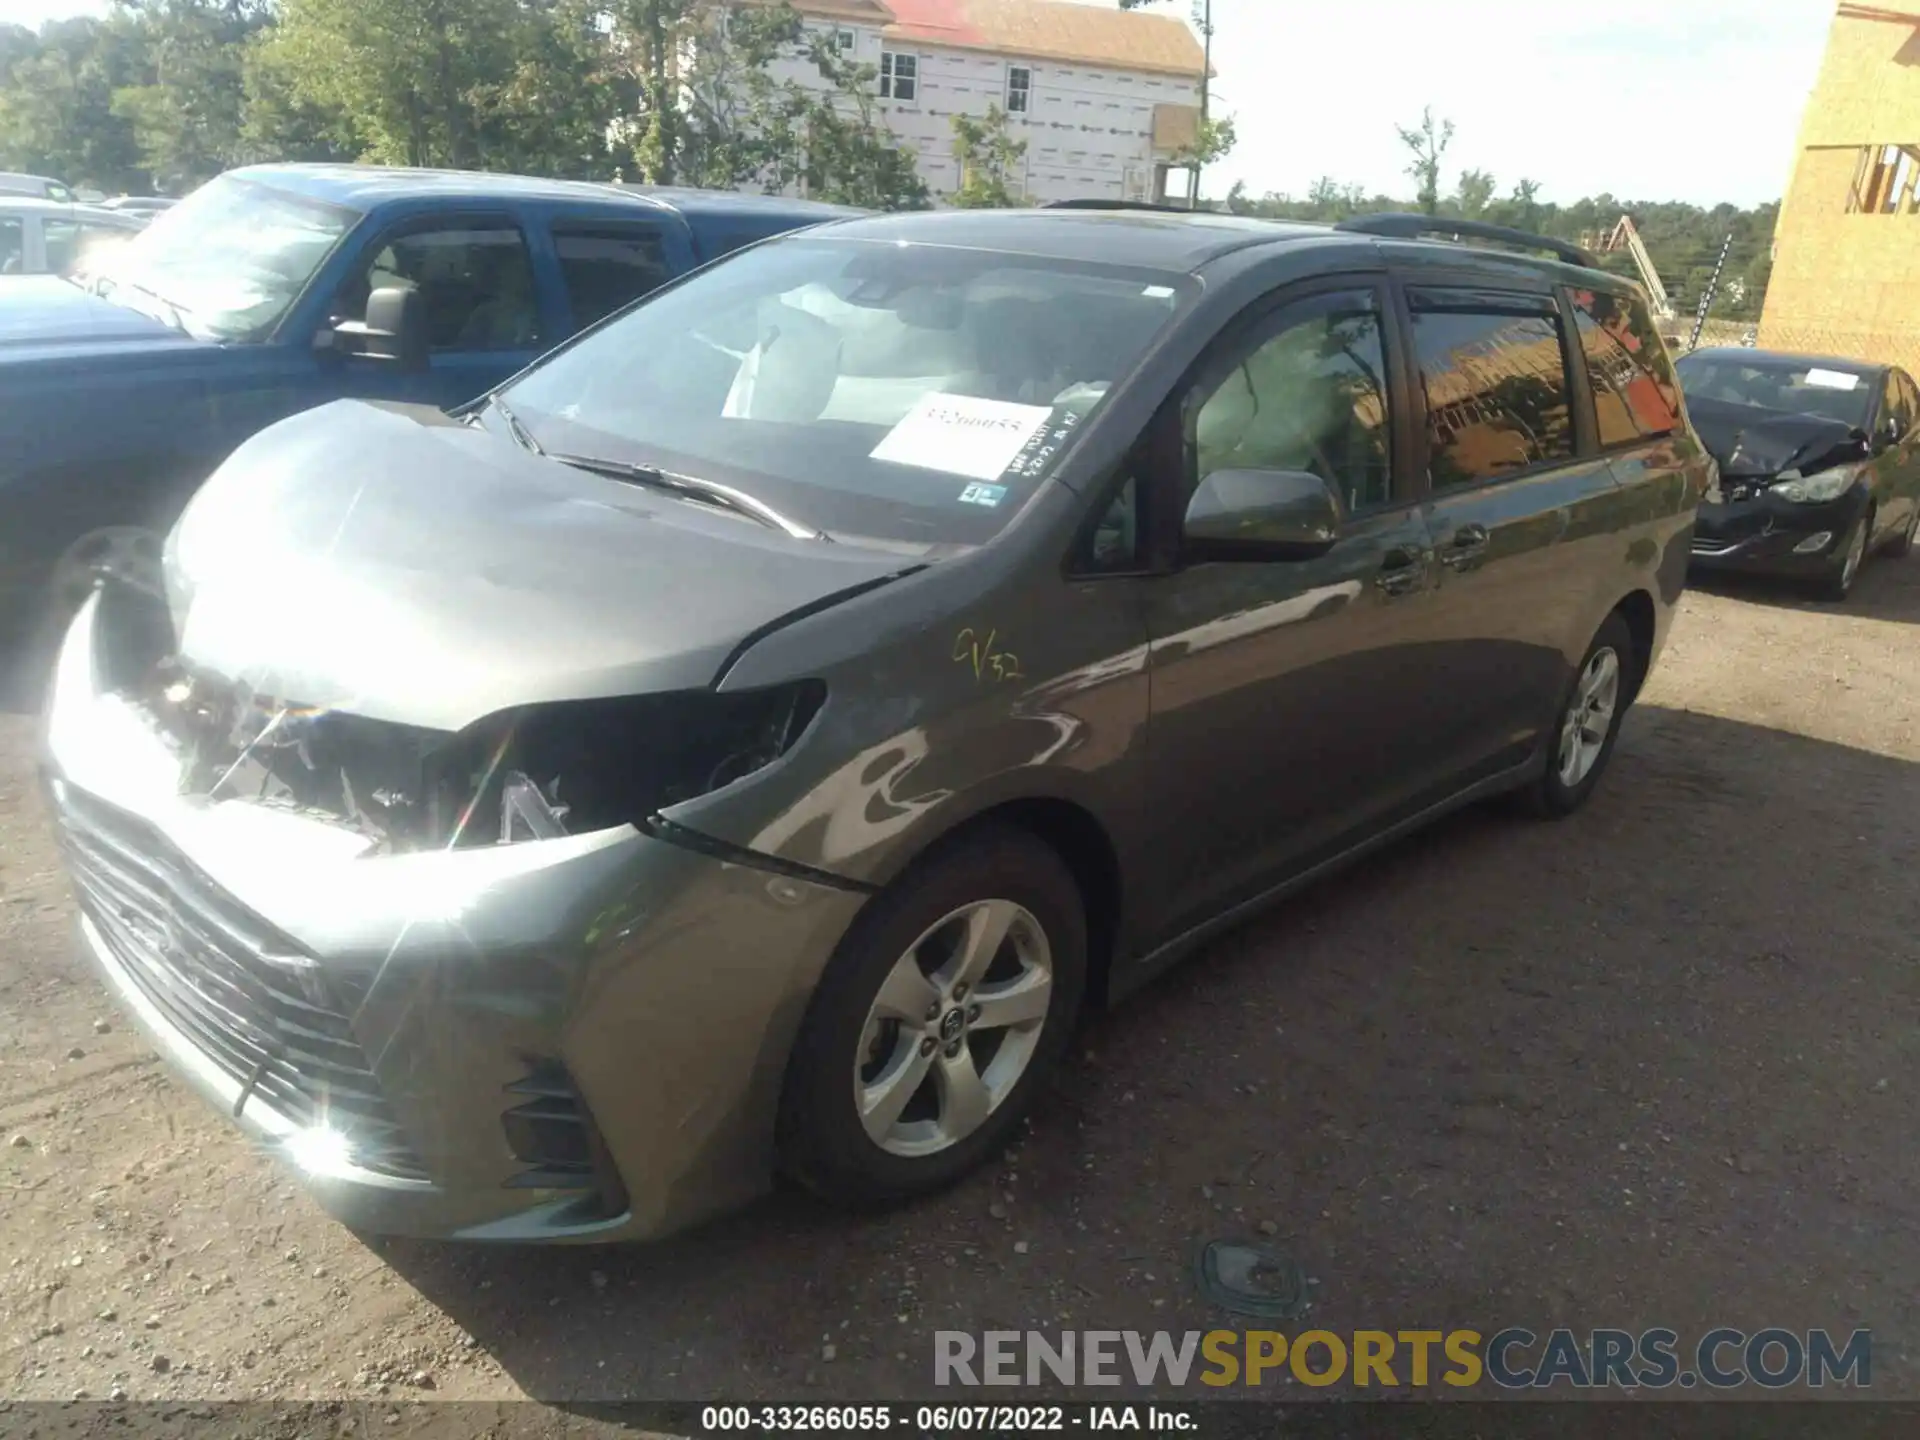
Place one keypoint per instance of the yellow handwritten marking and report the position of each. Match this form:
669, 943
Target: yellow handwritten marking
970, 649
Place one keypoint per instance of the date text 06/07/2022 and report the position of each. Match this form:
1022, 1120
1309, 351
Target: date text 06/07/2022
942, 1419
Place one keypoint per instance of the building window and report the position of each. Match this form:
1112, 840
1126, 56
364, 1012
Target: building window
1019, 87
899, 76
1884, 181
842, 41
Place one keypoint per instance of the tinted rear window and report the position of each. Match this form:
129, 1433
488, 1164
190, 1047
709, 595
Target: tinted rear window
1495, 377
1634, 391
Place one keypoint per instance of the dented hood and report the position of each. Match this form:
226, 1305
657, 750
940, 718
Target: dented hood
389, 561
1752, 442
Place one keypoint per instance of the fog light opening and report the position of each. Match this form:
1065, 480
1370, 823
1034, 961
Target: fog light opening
1814, 542
319, 1150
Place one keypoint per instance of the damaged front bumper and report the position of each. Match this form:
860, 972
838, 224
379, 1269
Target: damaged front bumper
575, 1038
1767, 535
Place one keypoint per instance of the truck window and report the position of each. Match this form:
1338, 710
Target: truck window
13, 245
606, 266
476, 284
73, 247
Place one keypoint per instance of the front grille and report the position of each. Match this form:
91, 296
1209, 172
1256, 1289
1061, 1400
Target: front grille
250, 999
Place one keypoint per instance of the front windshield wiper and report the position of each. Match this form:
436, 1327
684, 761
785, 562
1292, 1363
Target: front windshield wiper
692, 488
105, 285
522, 436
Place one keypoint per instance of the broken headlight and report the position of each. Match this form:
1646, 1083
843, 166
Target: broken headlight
1815, 489
581, 765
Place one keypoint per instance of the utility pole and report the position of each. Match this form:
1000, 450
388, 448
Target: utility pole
1203, 16
1706, 296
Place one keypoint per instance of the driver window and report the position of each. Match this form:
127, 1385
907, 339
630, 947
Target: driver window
476, 286
1310, 396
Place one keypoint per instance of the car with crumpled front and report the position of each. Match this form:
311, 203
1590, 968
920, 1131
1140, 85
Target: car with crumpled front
750, 740
1818, 458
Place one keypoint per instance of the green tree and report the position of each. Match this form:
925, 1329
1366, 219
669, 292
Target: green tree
989, 157
1475, 194
56, 108
1428, 142
188, 112
418, 80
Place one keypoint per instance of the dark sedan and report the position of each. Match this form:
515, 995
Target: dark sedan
1819, 463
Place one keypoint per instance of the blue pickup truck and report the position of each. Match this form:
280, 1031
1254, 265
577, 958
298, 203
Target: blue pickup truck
276, 288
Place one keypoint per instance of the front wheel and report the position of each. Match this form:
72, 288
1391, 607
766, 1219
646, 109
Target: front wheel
1588, 724
937, 1023
1838, 584
1904, 545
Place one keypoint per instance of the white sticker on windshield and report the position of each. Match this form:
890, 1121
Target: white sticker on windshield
1158, 292
1833, 380
962, 435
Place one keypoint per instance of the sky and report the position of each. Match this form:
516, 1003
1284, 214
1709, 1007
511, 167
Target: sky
1695, 100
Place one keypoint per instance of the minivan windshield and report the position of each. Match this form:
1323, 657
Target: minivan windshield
228, 260
1796, 386
903, 392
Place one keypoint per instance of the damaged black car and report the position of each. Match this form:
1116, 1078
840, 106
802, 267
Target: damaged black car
1819, 463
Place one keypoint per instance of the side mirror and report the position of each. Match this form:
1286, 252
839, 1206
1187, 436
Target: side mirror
1892, 431
393, 333
1262, 515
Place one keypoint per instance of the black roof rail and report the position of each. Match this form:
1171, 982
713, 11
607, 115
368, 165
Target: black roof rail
1413, 226
1123, 205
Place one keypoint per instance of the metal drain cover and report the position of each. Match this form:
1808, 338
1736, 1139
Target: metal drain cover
1251, 1280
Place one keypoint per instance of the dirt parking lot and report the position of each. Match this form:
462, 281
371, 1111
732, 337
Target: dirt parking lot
1653, 1066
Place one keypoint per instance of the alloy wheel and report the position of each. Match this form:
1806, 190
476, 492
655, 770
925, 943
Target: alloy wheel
1856, 552
1589, 718
953, 1028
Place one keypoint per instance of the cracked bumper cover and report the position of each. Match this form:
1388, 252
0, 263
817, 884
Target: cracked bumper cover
1760, 535
665, 983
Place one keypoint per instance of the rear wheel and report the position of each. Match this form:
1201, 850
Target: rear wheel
1588, 724
937, 1023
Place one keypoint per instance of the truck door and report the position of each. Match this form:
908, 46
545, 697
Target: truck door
483, 313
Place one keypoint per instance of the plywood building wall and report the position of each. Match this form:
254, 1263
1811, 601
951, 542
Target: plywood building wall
1846, 272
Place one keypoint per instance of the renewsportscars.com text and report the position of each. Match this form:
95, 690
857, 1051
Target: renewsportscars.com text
1513, 1358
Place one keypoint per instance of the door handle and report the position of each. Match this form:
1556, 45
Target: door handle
1468, 544
1400, 572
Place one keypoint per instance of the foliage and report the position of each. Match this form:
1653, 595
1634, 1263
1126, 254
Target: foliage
166, 93
988, 157
1683, 240
1429, 143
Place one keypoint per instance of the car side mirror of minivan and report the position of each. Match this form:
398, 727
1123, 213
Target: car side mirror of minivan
1261, 515
393, 333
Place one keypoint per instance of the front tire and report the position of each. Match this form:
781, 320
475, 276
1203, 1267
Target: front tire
937, 1023
1904, 545
1838, 584
1587, 725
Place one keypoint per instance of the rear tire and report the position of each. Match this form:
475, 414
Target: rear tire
946, 1009
1587, 725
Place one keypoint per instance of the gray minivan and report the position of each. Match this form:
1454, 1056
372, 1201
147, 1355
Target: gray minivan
750, 738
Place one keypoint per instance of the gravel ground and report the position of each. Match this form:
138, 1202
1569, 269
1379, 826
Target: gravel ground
1653, 1066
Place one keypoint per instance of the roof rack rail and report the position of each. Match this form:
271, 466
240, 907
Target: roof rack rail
1122, 205
1413, 226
